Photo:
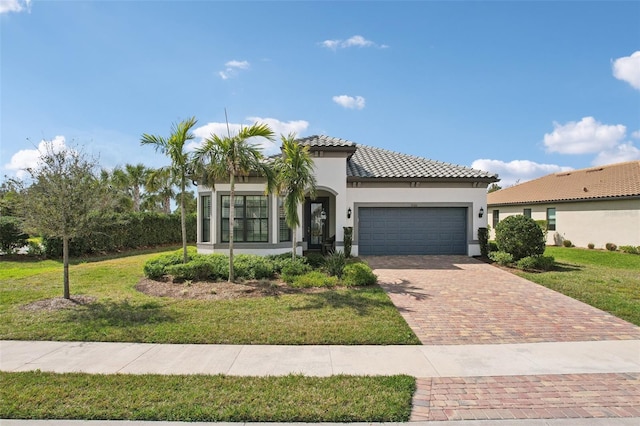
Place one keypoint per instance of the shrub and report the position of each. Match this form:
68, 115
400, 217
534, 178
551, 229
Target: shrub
316, 260
293, 268
501, 257
11, 235
611, 247
34, 248
156, 267
252, 266
492, 246
181, 271
358, 274
520, 236
483, 237
536, 263
348, 240
630, 249
314, 279
335, 263
153, 270
567, 243
591, 246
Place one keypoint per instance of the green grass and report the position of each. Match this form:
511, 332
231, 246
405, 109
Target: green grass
294, 398
606, 280
122, 314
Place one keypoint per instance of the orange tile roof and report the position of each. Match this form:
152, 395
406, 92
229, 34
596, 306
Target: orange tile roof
611, 181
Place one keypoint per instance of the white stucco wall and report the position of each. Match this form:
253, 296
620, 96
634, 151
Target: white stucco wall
597, 222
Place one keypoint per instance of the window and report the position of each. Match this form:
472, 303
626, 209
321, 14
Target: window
251, 219
284, 232
551, 219
527, 213
205, 226
496, 217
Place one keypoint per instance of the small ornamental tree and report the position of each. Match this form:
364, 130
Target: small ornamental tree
520, 236
62, 197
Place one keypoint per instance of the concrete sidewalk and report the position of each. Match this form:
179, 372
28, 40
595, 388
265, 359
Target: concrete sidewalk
618, 356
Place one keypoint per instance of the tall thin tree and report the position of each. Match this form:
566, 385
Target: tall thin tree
295, 180
175, 148
222, 158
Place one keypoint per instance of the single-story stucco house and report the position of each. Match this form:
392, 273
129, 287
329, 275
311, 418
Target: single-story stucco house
395, 203
597, 205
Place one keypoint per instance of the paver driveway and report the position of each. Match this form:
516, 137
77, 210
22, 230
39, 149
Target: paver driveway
454, 300
451, 300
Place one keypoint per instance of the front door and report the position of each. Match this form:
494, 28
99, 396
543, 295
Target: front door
316, 222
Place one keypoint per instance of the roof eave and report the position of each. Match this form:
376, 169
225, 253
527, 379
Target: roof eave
566, 200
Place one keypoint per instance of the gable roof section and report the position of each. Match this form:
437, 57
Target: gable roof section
619, 180
368, 162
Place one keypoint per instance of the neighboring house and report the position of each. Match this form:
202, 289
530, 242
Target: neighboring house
396, 204
598, 205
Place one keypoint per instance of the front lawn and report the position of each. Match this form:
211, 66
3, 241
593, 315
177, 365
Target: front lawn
606, 280
121, 313
294, 398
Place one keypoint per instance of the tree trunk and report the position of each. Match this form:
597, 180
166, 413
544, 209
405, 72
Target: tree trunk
65, 263
183, 225
167, 205
136, 198
293, 239
232, 221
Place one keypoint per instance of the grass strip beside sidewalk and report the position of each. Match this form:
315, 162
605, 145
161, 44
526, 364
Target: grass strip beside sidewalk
293, 398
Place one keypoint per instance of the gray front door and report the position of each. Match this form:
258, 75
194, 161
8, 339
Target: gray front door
412, 230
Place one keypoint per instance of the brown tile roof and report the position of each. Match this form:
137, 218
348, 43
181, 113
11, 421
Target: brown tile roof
611, 181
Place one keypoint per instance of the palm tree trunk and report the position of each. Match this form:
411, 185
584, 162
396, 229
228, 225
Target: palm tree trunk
65, 263
167, 205
136, 198
293, 239
232, 221
183, 223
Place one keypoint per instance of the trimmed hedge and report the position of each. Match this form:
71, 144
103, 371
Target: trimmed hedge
520, 236
122, 231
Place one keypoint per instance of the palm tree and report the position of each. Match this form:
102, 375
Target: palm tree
174, 148
294, 171
132, 179
221, 158
160, 184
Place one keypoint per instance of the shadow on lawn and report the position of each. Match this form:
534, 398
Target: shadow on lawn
363, 302
566, 267
121, 314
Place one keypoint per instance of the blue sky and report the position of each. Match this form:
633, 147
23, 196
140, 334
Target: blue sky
518, 88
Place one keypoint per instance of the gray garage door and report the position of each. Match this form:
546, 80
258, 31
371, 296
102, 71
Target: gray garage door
416, 230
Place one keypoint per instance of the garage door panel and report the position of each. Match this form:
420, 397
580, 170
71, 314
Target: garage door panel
418, 230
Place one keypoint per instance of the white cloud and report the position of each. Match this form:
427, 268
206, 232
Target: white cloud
357, 102
28, 158
268, 147
237, 64
7, 6
584, 137
354, 41
627, 69
619, 154
232, 68
636, 134
516, 171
